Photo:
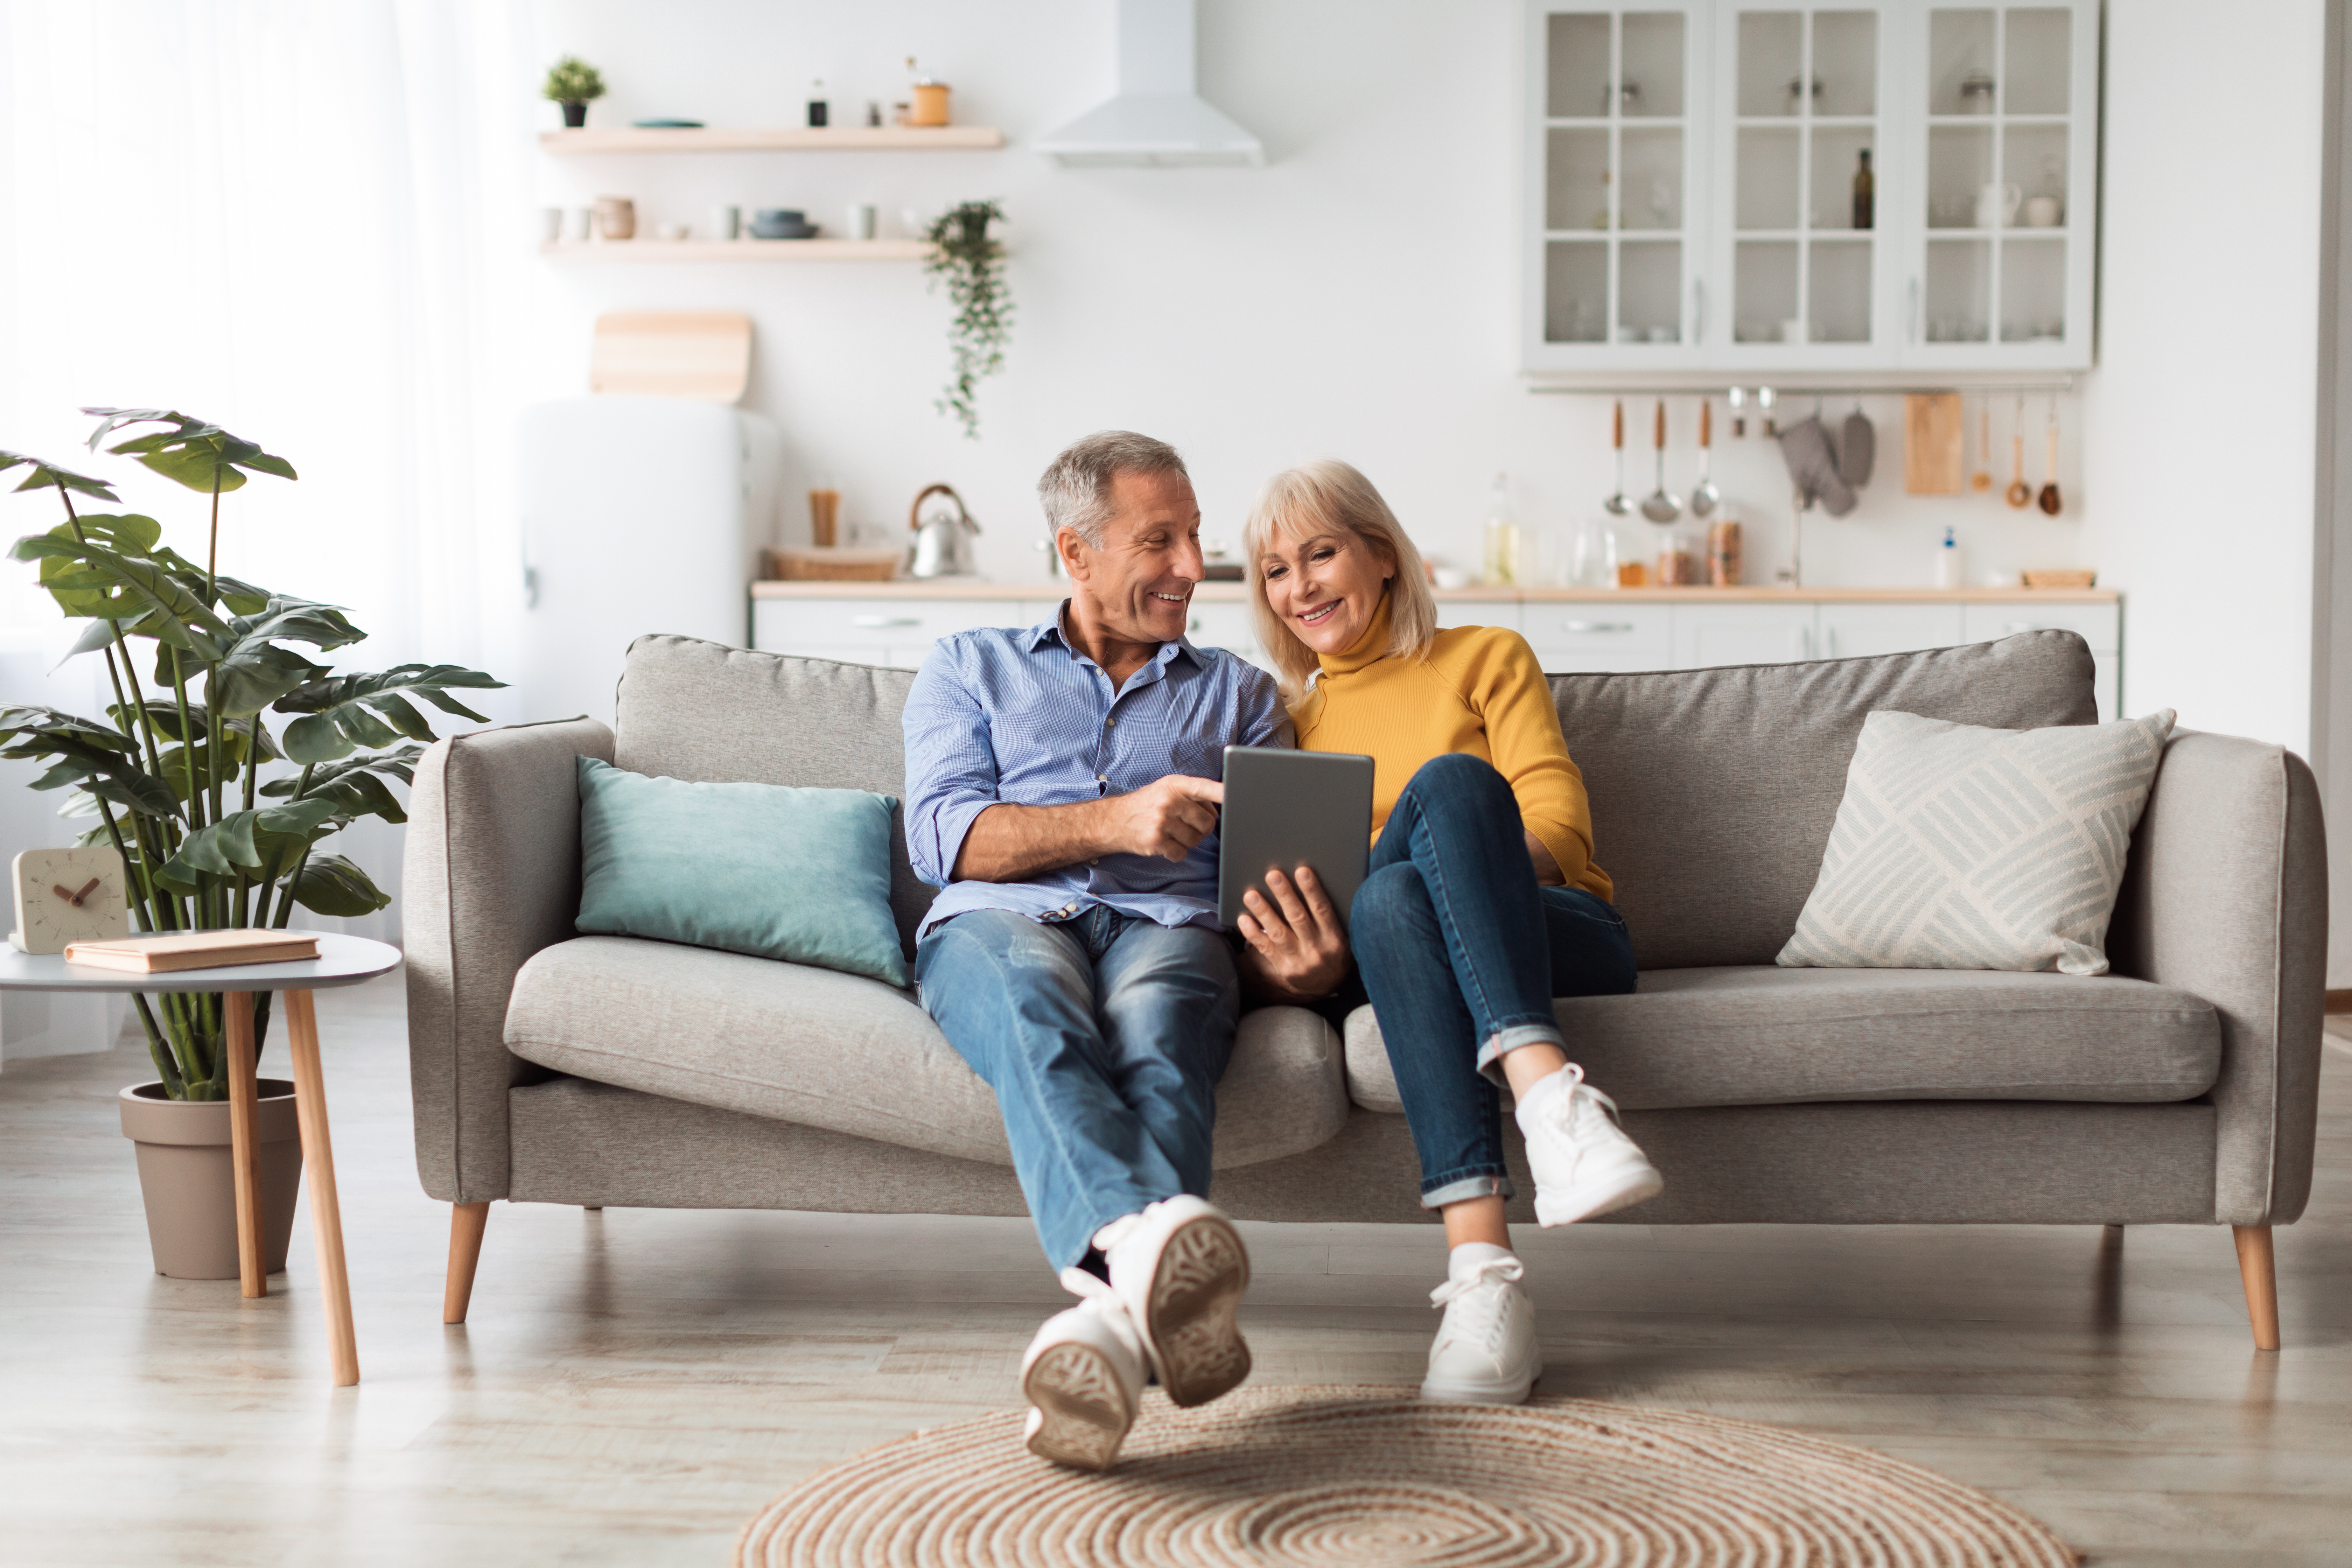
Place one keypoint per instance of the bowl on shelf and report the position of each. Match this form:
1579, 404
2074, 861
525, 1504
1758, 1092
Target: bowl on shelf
667, 124
782, 223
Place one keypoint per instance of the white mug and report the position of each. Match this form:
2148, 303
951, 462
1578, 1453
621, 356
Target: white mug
727, 222
862, 220
2042, 212
1792, 331
1997, 205
550, 224
583, 225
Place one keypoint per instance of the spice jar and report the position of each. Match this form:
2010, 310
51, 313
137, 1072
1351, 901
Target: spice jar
1678, 563
1723, 562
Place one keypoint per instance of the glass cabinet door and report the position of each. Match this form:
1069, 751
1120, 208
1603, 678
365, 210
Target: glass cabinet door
2002, 270
1802, 95
1614, 162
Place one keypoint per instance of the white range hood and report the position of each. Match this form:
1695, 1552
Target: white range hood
1157, 120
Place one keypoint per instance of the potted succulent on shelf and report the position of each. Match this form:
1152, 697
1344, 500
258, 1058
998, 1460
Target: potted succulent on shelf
973, 265
218, 820
573, 83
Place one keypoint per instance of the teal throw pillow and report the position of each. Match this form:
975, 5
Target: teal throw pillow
796, 874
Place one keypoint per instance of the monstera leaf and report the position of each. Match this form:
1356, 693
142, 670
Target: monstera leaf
347, 712
269, 841
356, 786
102, 760
193, 452
88, 578
47, 476
331, 885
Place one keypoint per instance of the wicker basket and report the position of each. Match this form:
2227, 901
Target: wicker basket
2069, 578
831, 565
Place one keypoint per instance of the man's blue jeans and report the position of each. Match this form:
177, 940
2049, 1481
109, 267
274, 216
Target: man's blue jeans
1460, 953
1104, 1037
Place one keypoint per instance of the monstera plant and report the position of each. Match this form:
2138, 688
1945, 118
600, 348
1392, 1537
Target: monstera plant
218, 820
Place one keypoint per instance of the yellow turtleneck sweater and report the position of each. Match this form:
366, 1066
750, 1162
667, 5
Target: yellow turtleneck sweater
1479, 690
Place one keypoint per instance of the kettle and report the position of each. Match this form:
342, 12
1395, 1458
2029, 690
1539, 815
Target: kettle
943, 539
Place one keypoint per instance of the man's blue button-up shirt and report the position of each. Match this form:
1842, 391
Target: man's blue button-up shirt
1004, 717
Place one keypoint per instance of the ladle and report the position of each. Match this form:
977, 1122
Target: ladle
1621, 504
2021, 494
1661, 505
1704, 499
2048, 499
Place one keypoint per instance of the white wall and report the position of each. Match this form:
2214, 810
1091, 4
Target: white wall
2199, 418
1357, 298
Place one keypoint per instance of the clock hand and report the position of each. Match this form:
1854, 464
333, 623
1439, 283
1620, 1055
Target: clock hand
86, 887
63, 893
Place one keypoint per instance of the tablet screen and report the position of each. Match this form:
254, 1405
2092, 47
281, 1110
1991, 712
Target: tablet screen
1286, 809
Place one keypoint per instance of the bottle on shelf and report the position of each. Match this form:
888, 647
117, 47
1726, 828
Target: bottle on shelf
1866, 191
1951, 566
820, 111
1502, 537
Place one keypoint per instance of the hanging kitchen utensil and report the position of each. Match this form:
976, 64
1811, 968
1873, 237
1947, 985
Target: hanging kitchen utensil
943, 539
1933, 432
2021, 494
1765, 398
1704, 499
1813, 467
1619, 504
2048, 499
1660, 506
1857, 448
1981, 481
1738, 400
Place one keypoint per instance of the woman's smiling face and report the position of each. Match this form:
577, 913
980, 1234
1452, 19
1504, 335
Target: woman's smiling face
1325, 586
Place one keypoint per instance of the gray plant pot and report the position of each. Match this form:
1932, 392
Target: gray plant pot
191, 1191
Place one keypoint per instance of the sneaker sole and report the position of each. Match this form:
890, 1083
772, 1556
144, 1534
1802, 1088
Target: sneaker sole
1196, 1291
1480, 1392
1636, 1185
1086, 1414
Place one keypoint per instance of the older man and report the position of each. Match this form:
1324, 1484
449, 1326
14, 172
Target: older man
1062, 792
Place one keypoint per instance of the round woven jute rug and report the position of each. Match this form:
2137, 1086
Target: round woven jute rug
1308, 1477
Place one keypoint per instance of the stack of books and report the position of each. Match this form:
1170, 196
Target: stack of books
167, 950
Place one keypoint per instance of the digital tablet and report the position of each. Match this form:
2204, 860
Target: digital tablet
1286, 809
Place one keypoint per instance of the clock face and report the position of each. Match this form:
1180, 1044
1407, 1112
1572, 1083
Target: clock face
48, 882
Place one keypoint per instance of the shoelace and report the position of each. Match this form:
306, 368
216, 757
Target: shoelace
1094, 1295
1484, 1315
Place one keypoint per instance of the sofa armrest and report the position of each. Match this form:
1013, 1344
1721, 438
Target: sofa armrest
2226, 896
491, 876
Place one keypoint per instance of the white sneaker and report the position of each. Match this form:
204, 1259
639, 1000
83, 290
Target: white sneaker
1584, 1164
1485, 1352
1180, 1269
1083, 1377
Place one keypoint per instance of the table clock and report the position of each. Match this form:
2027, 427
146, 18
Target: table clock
69, 895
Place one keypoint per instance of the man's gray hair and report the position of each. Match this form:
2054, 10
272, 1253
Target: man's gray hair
1076, 487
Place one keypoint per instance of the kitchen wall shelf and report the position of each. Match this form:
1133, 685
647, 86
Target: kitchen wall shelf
1689, 206
781, 139
739, 250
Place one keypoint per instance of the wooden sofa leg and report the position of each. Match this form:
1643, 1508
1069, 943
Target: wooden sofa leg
2260, 1272
466, 1222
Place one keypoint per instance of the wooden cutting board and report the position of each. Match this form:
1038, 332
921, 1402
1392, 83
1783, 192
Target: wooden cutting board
702, 355
1933, 461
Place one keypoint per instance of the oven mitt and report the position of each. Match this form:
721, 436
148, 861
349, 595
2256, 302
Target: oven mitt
1857, 450
1813, 465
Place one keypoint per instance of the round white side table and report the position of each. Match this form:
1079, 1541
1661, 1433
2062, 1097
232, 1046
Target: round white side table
341, 961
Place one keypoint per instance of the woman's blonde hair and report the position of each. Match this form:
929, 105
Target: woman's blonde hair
1321, 498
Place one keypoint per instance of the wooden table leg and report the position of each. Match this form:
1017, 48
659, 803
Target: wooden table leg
318, 1164
245, 1141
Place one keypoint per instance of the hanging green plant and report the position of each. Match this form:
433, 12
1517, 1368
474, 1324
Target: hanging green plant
973, 265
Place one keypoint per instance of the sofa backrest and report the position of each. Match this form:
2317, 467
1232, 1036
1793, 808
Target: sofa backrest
1712, 790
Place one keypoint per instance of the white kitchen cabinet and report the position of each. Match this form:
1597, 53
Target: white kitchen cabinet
1711, 226
1845, 630
2100, 624
1585, 636
897, 631
1707, 635
1505, 613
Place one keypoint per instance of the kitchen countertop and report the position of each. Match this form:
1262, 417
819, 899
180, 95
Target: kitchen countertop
1238, 593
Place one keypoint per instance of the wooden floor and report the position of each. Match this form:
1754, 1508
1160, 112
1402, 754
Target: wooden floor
635, 1383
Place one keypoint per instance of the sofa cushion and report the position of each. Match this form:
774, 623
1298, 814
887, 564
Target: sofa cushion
851, 1055
1766, 1036
1712, 790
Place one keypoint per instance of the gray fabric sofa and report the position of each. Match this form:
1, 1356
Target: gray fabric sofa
553, 1068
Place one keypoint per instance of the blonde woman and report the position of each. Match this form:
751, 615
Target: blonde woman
1482, 902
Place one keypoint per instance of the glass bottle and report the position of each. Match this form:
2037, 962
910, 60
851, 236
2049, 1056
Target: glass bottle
1502, 536
1865, 190
820, 109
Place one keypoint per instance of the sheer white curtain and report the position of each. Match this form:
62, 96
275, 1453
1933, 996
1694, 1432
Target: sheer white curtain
305, 222
309, 223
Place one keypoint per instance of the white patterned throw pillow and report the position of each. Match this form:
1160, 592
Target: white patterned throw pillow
1961, 848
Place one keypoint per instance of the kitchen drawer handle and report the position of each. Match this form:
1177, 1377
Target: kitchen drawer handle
886, 620
1598, 627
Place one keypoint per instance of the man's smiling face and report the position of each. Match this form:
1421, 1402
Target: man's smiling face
1141, 580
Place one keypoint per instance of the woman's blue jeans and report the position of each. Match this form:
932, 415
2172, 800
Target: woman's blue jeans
1460, 953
